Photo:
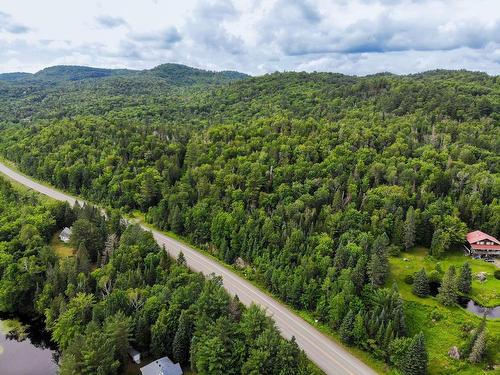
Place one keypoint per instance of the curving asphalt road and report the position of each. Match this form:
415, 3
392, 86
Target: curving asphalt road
332, 358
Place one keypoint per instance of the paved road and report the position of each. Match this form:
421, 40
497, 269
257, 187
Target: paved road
329, 356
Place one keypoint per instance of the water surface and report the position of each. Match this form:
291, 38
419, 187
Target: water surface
25, 352
470, 305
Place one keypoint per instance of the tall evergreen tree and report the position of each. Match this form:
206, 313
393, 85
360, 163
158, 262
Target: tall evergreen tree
182, 339
467, 349
409, 228
359, 330
479, 347
87, 232
464, 279
82, 259
358, 275
421, 284
448, 294
397, 350
181, 259
346, 328
165, 260
440, 242
416, 358
379, 265
160, 341
341, 258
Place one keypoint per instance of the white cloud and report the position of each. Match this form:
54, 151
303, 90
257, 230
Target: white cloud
8, 25
110, 22
254, 36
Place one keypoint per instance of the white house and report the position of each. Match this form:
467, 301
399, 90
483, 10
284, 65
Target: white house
65, 235
162, 366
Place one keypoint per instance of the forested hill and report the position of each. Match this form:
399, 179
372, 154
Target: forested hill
312, 179
174, 73
61, 91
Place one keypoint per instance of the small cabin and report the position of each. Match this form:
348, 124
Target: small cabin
482, 244
162, 366
135, 355
65, 235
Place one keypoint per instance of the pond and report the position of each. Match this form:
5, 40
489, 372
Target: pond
470, 305
25, 350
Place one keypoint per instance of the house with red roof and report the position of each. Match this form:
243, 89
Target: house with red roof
480, 243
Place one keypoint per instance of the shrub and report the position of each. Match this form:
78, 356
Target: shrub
436, 315
394, 250
497, 274
409, 279
434, 277
466, 329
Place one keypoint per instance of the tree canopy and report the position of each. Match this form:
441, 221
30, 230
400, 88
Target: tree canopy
310, 180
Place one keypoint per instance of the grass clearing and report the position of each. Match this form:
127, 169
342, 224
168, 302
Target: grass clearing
63, 250
486, 293
448, 331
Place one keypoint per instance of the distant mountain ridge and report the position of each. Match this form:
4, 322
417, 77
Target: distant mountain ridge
175, 74
11, 77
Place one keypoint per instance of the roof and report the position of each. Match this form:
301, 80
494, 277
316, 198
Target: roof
477, 235
66, 232
162, 366
485, 247
132, 352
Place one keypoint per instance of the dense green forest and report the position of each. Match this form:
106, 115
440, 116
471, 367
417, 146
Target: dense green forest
313, 180
121, 290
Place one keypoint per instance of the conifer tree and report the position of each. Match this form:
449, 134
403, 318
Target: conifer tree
182, 339
389, 334
409, 228
421, 284
181, 259
358, 275
380, 334
359, 329
341, 258
398, 231
379, 265
346, 328
466, 351
416, 357
464, 279
159, 334
82, 259
479, 347
448, 290
440, 242
175, 220
165, 260
338, 307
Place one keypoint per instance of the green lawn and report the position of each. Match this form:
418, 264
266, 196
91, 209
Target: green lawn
63, 250
441, 335
486, 293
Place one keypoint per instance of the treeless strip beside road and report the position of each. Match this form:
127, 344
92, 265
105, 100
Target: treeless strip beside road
332, 358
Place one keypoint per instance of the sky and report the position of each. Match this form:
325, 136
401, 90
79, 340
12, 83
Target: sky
256, 37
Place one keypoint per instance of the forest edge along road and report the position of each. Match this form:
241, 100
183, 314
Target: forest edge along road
331, 357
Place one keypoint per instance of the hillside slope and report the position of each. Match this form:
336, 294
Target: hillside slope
311, 179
